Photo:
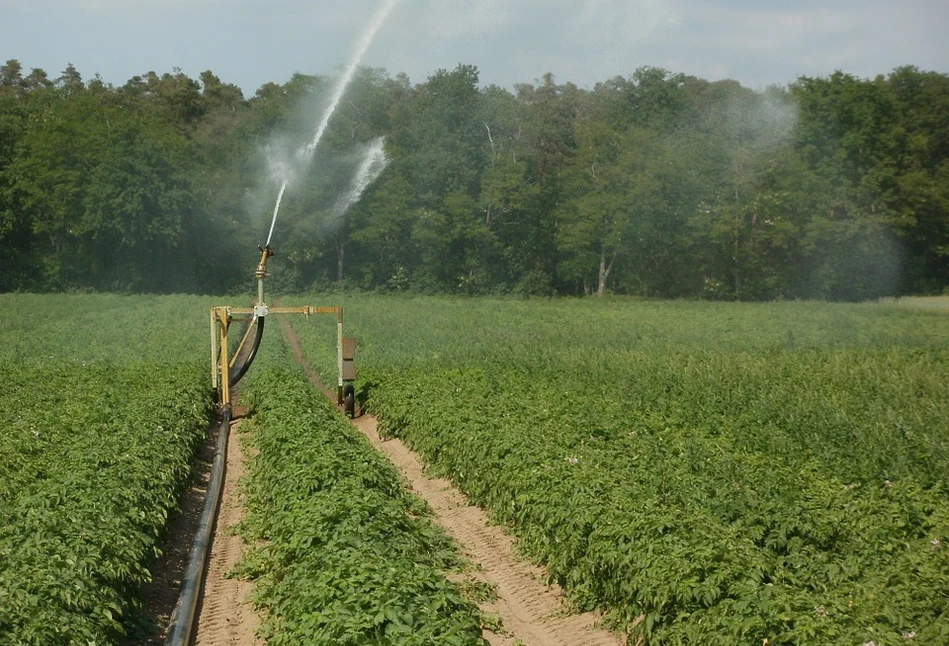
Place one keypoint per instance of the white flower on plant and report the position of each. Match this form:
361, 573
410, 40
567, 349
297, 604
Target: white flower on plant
820, 610
572, 460
887, 483
936, 543
910, 635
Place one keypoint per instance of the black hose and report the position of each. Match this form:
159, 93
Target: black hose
182, 619
258, 335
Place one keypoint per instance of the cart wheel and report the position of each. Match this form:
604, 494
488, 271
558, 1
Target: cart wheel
349, 401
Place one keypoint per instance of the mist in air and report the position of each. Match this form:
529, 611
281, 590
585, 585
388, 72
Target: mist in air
373, 163
285, 167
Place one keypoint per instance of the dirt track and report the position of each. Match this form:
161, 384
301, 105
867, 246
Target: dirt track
529, 610
224, 613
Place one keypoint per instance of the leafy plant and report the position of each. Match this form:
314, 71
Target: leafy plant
103, 411
687, 467
344, 554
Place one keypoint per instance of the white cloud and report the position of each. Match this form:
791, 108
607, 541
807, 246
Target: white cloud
105, 6
623, 21
761, 30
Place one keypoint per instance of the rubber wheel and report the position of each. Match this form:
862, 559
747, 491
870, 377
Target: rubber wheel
349, 401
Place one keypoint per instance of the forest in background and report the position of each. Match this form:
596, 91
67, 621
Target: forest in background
659, 185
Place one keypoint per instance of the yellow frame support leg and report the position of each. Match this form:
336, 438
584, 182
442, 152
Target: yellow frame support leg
221, 318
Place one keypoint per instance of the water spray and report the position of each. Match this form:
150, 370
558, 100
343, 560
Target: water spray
305, 155
372, 165
276, 208
227, 370
361, 47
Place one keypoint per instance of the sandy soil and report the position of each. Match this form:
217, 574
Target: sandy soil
225, 616
529, 610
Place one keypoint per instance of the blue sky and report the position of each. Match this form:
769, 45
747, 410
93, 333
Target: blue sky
251, 42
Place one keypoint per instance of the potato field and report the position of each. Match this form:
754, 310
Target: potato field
703, 473
104, 400
707, 473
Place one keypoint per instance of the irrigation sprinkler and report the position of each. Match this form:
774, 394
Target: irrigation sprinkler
227, 370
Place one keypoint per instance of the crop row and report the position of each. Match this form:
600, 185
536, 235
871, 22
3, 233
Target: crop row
343, 554
92, 460
709, 542
751, 477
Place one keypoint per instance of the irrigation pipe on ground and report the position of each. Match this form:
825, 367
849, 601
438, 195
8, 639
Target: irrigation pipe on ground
182, 620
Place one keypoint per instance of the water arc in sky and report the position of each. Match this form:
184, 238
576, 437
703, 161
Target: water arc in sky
305, 154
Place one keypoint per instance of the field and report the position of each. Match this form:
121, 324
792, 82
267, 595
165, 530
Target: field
706, 473
103, 400
344, 555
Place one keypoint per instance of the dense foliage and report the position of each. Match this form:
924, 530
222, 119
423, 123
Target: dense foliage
657, 184
103, 405
708, 473
344, 555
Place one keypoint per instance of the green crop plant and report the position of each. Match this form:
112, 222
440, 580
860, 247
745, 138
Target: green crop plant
103, 407
706, 473
344, 555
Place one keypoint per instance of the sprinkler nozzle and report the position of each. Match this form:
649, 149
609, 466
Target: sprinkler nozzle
265, 252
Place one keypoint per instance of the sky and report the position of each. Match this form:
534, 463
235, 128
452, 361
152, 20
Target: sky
252, 42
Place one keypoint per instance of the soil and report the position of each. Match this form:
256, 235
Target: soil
530, 612
224, 615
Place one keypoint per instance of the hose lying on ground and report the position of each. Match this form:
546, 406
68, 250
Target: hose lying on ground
182, 619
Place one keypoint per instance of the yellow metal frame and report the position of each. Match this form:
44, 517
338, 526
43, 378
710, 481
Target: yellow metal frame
222, 316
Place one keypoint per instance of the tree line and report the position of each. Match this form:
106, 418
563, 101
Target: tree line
658, 184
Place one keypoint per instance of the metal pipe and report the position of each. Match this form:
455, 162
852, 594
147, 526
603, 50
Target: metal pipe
214, 356
225, 366
339, 356
182, 619
261, 272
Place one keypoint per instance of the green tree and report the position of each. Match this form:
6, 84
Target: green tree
11, 76
847, 133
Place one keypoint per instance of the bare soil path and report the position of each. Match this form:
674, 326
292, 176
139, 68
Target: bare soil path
225, 616
530, 612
